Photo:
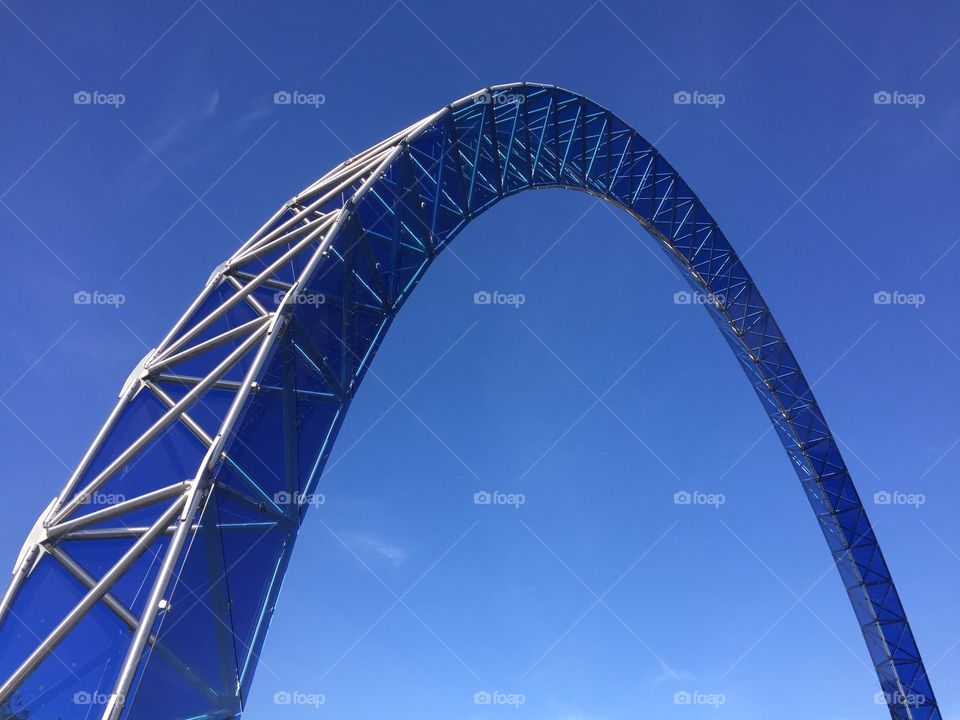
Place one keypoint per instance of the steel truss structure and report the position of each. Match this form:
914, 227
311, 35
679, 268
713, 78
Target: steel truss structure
147, 586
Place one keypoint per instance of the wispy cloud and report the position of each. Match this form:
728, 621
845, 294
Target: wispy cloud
242, 122
361, 542
186, 122
668, 674
172, 134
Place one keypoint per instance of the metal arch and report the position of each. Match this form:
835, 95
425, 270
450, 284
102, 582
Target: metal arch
152, 576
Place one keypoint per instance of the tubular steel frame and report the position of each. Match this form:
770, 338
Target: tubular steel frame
160, 598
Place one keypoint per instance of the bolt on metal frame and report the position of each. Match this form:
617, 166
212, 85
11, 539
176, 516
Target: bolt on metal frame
159, 601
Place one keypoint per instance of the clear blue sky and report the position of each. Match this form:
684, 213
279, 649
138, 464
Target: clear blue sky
830, 196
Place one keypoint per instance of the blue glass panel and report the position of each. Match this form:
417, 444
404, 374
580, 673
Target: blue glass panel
171, 458
134, 420
210, 408
252, 548
98, 556
191, 669
76, 679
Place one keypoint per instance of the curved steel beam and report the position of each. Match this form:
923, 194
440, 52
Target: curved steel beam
267, 360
